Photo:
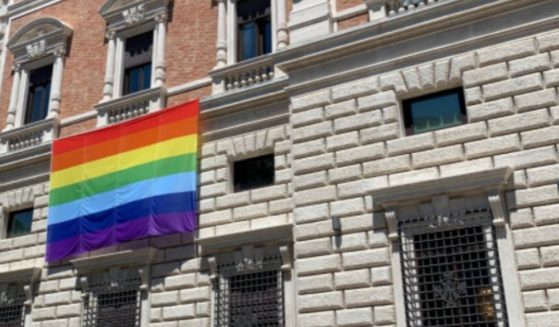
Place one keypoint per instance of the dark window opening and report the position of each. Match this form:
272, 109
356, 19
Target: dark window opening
119, 306
250, 295
12, 311
451, 272
137, 63
19, 222
254, 28
253, 173
38, 95
115, 303
434, 111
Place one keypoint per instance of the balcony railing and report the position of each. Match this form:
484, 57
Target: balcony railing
384, 8
130, 106
394, 7
244, 74
28, 136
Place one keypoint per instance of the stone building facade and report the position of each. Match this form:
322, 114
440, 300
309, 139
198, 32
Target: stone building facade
374, 217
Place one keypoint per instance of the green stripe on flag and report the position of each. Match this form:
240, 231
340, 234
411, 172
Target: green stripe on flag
159, 168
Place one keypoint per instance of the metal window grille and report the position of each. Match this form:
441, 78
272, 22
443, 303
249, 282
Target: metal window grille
451, 271
250, 295
12, 309
113, 304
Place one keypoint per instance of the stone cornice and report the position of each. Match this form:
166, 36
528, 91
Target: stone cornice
140, 257
124, 14
279, 233
391, 30
39, 38
494, 180
21, 275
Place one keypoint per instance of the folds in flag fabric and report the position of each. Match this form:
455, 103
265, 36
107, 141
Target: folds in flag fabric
124, 182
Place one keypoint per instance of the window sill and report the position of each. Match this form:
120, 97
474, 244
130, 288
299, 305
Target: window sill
130, 106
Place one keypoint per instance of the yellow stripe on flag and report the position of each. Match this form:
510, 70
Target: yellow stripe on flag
125, 160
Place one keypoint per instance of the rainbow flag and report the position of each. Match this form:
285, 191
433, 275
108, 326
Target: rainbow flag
124, 182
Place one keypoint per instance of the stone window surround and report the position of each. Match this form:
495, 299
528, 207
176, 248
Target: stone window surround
251, 155
124, 22
12, 201
432, 93
240, 149
243, 249
492, 183
27, 276
140, 259
227, 30
34, 48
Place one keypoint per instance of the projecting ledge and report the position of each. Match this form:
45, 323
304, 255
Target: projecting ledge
494, 180
141, 257
279, 233
20, 275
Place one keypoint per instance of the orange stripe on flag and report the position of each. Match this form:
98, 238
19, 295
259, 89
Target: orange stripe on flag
149, 121
125, 143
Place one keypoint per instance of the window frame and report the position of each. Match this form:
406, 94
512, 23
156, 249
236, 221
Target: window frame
408, 124
482, 219
223, 289
252, 257
120, 69
117, 266
259, 42
482, 189
27, 113
126, 78
123, 284
9, 222
127, 19
228, 35
33, 50
239, 160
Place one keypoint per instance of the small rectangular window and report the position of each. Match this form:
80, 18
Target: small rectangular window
137, 63
38, 94
434, 111
250, 295
254, 28
19, 222
12, 299
253, 173
451, 271
113, 303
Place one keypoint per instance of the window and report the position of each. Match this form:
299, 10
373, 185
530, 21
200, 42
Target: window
113, 303
12, 310
250, 294
253, 173
137, 63
136, 33
254, 28
451, 271
38, 94
19, 222
39, 50
434, 111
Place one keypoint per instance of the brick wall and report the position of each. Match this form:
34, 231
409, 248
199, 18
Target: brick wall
190, 50
84, 67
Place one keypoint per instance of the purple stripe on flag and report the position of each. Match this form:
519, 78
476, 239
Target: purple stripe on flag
157, 225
